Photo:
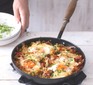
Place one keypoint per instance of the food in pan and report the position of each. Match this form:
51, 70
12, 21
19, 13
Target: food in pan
46, 60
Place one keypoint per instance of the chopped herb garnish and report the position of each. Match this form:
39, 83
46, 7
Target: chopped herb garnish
5, 30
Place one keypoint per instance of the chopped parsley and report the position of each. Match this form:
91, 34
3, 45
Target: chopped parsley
5, 30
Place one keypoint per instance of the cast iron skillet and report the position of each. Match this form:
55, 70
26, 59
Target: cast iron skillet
42, 80
69, 13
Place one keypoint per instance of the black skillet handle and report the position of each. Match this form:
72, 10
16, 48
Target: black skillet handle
70, 10
12, 66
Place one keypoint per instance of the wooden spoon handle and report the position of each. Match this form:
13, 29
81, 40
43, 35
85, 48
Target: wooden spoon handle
70, 10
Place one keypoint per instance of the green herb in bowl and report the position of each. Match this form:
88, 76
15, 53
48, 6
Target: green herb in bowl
5, 30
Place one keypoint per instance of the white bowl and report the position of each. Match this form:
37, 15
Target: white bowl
10, 40
10, 21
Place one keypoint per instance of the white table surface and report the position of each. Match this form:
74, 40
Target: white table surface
84, 40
